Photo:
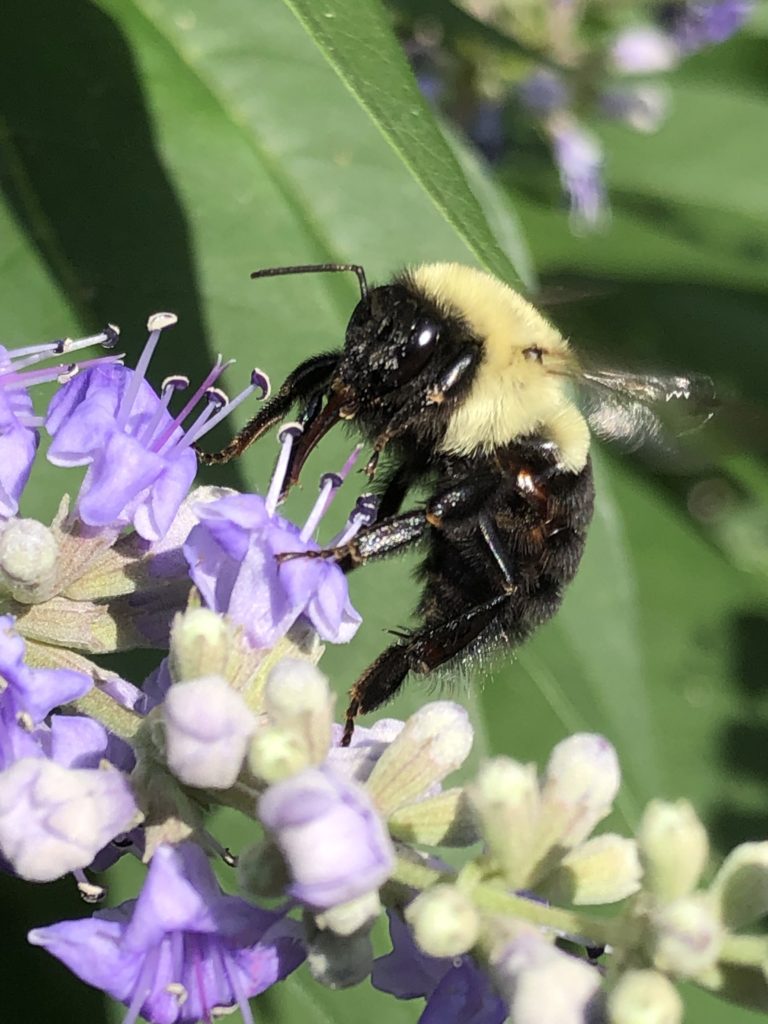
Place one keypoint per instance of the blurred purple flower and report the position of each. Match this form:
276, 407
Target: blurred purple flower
54, 820
544, 92
700, 23
643, 50
232, 556
140, 459
579, 159
457, 991
27, 696
336, 845
644, 107
19, 425
181, 950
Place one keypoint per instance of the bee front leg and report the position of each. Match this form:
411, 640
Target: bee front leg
375, 541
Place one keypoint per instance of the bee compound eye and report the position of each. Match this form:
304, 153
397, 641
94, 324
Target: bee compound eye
417, 349
534, 353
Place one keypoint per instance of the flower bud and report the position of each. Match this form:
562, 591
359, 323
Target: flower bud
434, 742
275, 755
200, 645
645, 997
261, 871
580, 785
644, 50
339, 961
444, 920
28, 552
673, 847
207, 729
505, 796
348, 918
604, 869
541, 984
297, 699
686, 936
741, 885
333, 840
442, 820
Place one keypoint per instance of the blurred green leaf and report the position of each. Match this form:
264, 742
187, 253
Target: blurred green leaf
356, 38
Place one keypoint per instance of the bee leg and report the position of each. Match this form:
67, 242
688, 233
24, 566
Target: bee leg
304, 386
375, 541
424, 650
497, 549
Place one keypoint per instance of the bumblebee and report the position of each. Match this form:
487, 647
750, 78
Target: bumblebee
472, 394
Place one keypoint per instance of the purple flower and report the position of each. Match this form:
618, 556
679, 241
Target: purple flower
698, 23
643, 107
643, 50
19, 436
544, 92
55, 819
140, 459
232, 556
182, 949
336, 845
27, 696
456, 990
579, 158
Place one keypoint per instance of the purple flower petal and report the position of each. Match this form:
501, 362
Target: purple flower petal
54, 820
182, 948
334, 841
18, 446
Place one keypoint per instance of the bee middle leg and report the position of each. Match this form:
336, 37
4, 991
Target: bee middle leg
424, 650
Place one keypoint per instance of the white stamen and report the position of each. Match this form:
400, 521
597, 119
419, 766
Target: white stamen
167, 390
329, 482
288, 433
155, 325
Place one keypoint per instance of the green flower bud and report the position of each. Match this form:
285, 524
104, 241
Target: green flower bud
298, 700
673, 847
348, 918
434, 742
200, 644
338, 961
28, 553
505, 796
442, 820
444, 920
262, 871
645, 997
741, 885
275, 754
605, 869
687, 936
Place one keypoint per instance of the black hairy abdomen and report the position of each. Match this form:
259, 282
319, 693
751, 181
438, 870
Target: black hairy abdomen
543, 539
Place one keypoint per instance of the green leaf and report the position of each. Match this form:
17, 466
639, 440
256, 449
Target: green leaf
357, 40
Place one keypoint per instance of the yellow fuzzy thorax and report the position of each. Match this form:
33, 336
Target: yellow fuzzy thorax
511, 395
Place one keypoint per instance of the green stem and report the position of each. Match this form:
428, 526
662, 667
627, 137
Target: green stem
598, 930
116, 719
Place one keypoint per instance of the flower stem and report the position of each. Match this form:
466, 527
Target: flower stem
599, 931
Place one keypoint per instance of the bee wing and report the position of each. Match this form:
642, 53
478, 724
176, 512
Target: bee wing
637, 409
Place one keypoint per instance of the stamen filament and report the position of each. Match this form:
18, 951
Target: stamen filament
155, 324
169, 387
363, 514
215, 399
14, 381
288, 433
329, 482
259, 381
216, 371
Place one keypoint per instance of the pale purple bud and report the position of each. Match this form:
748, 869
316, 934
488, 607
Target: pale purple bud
644, 50
541, 984
330, 834
580, 784
54, 820
208, 726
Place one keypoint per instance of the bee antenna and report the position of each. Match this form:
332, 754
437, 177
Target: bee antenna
318, 268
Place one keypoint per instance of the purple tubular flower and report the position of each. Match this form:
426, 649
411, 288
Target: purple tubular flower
579, 159
700, 23
232, 556
19, 435
544, 92
140, 459
54, 819
27, 696
181, 950
457, 991
336, 845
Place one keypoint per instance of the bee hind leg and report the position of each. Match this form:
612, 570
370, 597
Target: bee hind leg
424, 650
